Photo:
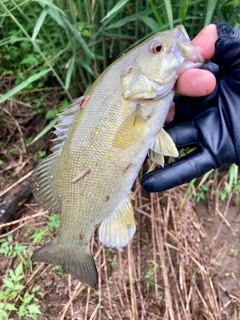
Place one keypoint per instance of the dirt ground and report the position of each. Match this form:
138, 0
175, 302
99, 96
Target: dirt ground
183, 262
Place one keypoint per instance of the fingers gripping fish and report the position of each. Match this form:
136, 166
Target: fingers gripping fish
102, 141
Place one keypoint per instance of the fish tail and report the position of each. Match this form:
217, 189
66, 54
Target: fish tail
79, 264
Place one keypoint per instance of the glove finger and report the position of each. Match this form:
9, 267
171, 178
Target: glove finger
187, 107
183, 134
182, 171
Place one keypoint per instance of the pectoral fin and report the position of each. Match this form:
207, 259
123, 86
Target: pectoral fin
116, 230
156, 157
162, 145
131, 131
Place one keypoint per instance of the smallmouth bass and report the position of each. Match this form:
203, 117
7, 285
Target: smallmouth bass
102, 141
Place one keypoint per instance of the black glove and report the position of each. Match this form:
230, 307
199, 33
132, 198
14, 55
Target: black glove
211, 123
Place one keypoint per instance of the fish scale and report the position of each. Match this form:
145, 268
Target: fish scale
102, 141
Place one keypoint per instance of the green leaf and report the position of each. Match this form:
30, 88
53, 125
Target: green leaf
19, 286
117, 7
64, 22
151, 23
23, 85
168, 7
51, 114
70, 73
22, 310
34, 309
122, 22
155, 11
10, 307
8, 283
211, 5
45, 130
27, 298
35, 289
50, 4
86, 66
19, 269
3, 314
39, 23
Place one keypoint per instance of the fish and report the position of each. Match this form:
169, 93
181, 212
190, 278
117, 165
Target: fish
102, 140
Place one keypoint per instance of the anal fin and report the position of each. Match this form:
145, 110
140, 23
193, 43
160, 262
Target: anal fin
116, 230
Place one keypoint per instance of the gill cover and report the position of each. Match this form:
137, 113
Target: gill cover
162, 59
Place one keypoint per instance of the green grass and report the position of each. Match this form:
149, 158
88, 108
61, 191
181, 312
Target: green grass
69, 43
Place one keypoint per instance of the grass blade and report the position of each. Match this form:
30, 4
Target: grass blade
157, 15
23, 85
45, 130
39, 24
122, 22
116, 8
211, 5
168, 7
63, 22
151, 23
49, 3
70, 73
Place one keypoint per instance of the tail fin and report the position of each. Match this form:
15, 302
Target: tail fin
81, 264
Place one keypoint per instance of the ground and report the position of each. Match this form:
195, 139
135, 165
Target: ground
183, 262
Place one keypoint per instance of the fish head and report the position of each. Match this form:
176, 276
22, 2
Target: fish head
157, 64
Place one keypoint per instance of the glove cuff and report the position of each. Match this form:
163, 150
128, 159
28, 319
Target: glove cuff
226, 31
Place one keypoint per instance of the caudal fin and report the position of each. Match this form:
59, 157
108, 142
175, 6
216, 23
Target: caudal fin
79, 264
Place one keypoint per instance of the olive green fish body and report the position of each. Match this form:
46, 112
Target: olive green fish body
102, 141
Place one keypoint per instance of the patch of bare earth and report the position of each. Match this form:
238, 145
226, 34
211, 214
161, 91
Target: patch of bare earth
182, 263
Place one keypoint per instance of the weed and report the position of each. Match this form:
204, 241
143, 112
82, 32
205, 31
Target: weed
233, 252
39, 236
149, 275
9, 249
201, 192
12, 287
109, 280
59, 269
160, 301
54, 222
41, 154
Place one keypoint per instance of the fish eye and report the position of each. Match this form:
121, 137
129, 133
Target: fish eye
156, 48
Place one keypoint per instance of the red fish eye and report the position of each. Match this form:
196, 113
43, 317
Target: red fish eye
156, 48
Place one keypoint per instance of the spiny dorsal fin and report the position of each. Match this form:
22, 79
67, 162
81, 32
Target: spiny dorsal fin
63, 126
116, 230
45, 176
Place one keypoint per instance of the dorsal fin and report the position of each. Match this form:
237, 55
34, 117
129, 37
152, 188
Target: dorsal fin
45, 176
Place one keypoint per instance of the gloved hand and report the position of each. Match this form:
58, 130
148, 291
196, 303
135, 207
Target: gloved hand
211, 123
